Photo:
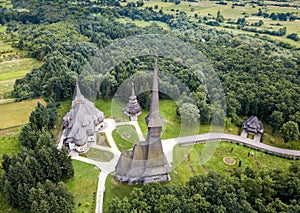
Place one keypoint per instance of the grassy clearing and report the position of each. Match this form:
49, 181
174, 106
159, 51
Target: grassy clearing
83, 186
172, 121
187, 161
16, 114
10, 145
6, 88
98, 155
22, 65
125, 136
142, 23
277, 140
114, 189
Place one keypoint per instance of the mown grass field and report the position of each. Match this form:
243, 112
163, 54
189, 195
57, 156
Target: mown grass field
125, 136
98, 155
16, 114
9, 145
114, 189
83, 186
187, 165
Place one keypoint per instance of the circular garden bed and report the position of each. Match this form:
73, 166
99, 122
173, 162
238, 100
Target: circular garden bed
229, 161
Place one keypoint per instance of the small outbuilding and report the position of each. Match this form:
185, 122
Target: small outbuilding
253, 126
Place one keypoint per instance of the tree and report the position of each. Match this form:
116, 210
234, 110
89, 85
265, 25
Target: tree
219, 18
276, 120
290, 131
189, 113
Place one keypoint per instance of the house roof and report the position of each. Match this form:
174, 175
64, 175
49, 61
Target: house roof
253, 125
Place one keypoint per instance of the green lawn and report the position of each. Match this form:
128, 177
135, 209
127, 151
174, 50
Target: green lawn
16, 114
125, 136
185, 167
98, 155
114, 189
10, 145
83, 186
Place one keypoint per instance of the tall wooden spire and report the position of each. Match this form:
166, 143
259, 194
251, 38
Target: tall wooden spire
154, 119
146, 162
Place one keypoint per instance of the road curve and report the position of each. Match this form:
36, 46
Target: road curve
214, 136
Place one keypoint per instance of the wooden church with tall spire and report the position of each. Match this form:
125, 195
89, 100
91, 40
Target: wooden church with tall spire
133, 108
146, 162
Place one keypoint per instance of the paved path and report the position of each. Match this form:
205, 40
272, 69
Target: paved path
168, 146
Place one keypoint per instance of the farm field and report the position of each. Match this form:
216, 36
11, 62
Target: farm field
16, 114
14, 64
209, 9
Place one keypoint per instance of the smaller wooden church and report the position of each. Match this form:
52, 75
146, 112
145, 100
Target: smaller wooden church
81, 123
133, 108
254, 127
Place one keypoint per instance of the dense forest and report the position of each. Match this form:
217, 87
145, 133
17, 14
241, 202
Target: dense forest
32, 179
259, 77
247, 191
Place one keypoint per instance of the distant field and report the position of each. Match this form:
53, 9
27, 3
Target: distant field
14, 64
15, 114
6, 3
209, 10
142, 23
83, 186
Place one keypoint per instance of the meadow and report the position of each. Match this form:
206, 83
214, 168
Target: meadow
16, 114
84, 186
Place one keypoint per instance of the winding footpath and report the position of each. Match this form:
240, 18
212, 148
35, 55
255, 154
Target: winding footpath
168, 146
